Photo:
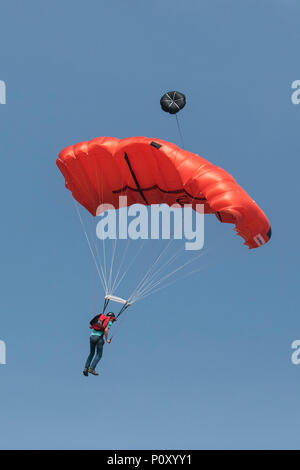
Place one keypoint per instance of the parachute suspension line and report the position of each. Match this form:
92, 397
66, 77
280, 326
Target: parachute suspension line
150, 283
129, 265
179, 130
170, 261
154, 275
93, 235
179, 268
95, 282
100, 272
104, 269
120, 266
150, 288
172, 282
111, 266
147, 281
114, 279
134, 294
144, 280
151, 277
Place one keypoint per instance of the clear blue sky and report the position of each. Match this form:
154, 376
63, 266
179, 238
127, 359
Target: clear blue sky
77, 70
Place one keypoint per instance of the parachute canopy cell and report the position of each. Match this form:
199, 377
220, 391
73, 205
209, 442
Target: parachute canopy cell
152, 171
172, 102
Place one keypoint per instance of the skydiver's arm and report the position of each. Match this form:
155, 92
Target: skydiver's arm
106, 335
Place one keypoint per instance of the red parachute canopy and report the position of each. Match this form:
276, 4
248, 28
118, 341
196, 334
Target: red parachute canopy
152, 171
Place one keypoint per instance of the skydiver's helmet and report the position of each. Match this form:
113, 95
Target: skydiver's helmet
112, 316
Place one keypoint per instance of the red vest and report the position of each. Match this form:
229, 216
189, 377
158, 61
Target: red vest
100, 322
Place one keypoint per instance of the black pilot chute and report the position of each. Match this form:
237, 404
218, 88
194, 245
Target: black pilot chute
172, 102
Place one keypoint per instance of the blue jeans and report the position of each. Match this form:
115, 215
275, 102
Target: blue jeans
95, 342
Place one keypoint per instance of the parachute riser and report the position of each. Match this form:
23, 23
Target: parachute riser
106, 302
125, 305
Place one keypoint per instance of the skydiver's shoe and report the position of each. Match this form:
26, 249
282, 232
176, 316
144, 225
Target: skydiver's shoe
92, 371
85, 372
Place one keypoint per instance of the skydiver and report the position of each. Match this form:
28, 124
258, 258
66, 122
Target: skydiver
97, 343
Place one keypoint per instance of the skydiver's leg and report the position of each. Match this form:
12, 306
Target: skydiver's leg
93, 342
98, 356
